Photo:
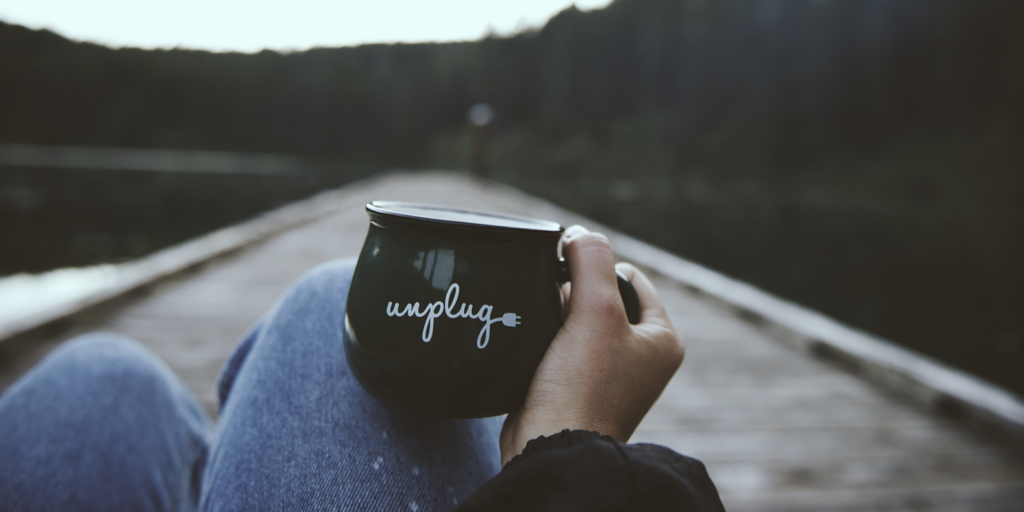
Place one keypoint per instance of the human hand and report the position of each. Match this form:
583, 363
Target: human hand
600, 373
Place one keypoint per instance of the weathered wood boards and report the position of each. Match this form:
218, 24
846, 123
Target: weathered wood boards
782, 432
777, 429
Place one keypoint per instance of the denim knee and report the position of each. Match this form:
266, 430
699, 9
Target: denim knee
108, 369
102, 423
326, 279
104, 356
115, 349
323, 290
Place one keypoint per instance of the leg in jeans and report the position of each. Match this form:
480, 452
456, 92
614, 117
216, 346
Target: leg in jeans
101, 424
298, 432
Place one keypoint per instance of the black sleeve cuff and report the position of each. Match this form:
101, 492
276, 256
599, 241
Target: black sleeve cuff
585, 471
564, 439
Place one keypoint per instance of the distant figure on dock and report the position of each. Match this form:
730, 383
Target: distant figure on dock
480, 118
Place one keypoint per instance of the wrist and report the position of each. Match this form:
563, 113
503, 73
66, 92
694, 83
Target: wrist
564, 439
514, 438
519, 429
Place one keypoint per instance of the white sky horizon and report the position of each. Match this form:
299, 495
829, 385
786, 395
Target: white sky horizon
252, 26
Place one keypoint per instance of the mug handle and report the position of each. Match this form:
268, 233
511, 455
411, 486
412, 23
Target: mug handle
630, 299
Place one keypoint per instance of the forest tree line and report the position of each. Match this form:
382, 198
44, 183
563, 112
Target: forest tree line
771, 82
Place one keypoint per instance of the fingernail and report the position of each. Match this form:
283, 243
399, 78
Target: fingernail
574, 231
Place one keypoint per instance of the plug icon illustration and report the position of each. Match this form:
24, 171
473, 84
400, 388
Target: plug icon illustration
510, 320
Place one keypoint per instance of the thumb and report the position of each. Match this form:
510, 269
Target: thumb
591, 270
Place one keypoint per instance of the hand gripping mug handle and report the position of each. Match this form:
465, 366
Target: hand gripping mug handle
626, 290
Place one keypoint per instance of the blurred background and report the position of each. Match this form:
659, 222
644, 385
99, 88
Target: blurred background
863, 158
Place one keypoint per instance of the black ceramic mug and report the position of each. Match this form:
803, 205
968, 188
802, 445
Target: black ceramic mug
450, 310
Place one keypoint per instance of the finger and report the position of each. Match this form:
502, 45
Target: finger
570, 233
592, 271
651, 308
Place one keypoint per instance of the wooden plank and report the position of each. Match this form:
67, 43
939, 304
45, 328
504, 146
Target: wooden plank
833, 442
865, 472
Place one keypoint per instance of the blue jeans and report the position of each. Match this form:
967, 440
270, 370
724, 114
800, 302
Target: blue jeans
101, 424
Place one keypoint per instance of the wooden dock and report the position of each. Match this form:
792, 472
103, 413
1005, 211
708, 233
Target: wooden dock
777, 427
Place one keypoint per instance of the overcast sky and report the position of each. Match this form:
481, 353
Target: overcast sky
252, 25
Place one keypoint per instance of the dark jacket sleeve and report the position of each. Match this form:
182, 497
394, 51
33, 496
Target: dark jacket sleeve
580, 470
